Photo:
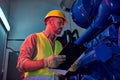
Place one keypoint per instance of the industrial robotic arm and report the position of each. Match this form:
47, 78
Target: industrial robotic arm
95, 16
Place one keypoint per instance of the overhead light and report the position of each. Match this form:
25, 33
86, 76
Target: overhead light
3, 18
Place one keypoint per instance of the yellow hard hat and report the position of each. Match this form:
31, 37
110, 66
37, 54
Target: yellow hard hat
56, 13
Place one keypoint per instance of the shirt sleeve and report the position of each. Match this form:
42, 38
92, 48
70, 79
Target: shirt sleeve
27, 50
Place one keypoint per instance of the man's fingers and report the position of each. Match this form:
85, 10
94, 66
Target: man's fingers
61, 58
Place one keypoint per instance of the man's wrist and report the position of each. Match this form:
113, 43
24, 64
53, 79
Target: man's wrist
45, 62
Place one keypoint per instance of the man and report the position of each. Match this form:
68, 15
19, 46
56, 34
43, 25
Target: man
40, 51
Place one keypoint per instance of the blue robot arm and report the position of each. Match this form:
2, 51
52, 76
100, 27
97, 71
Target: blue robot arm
105, 9
102, 19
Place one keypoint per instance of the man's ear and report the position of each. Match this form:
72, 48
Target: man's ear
51, 21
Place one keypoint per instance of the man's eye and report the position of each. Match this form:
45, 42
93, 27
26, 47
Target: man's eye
61, 23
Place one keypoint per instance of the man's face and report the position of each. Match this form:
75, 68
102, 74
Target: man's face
57, 25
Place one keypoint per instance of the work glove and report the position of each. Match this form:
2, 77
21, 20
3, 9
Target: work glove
74, 67
54, 61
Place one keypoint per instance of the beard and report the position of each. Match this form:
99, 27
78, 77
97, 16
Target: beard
59, 31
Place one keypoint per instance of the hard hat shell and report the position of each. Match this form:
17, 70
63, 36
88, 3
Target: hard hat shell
56, 13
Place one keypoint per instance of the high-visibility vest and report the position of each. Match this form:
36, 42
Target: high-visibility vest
44, 50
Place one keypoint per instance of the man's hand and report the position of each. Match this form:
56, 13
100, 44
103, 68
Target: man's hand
54, 61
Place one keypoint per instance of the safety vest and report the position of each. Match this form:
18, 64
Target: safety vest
44, 50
